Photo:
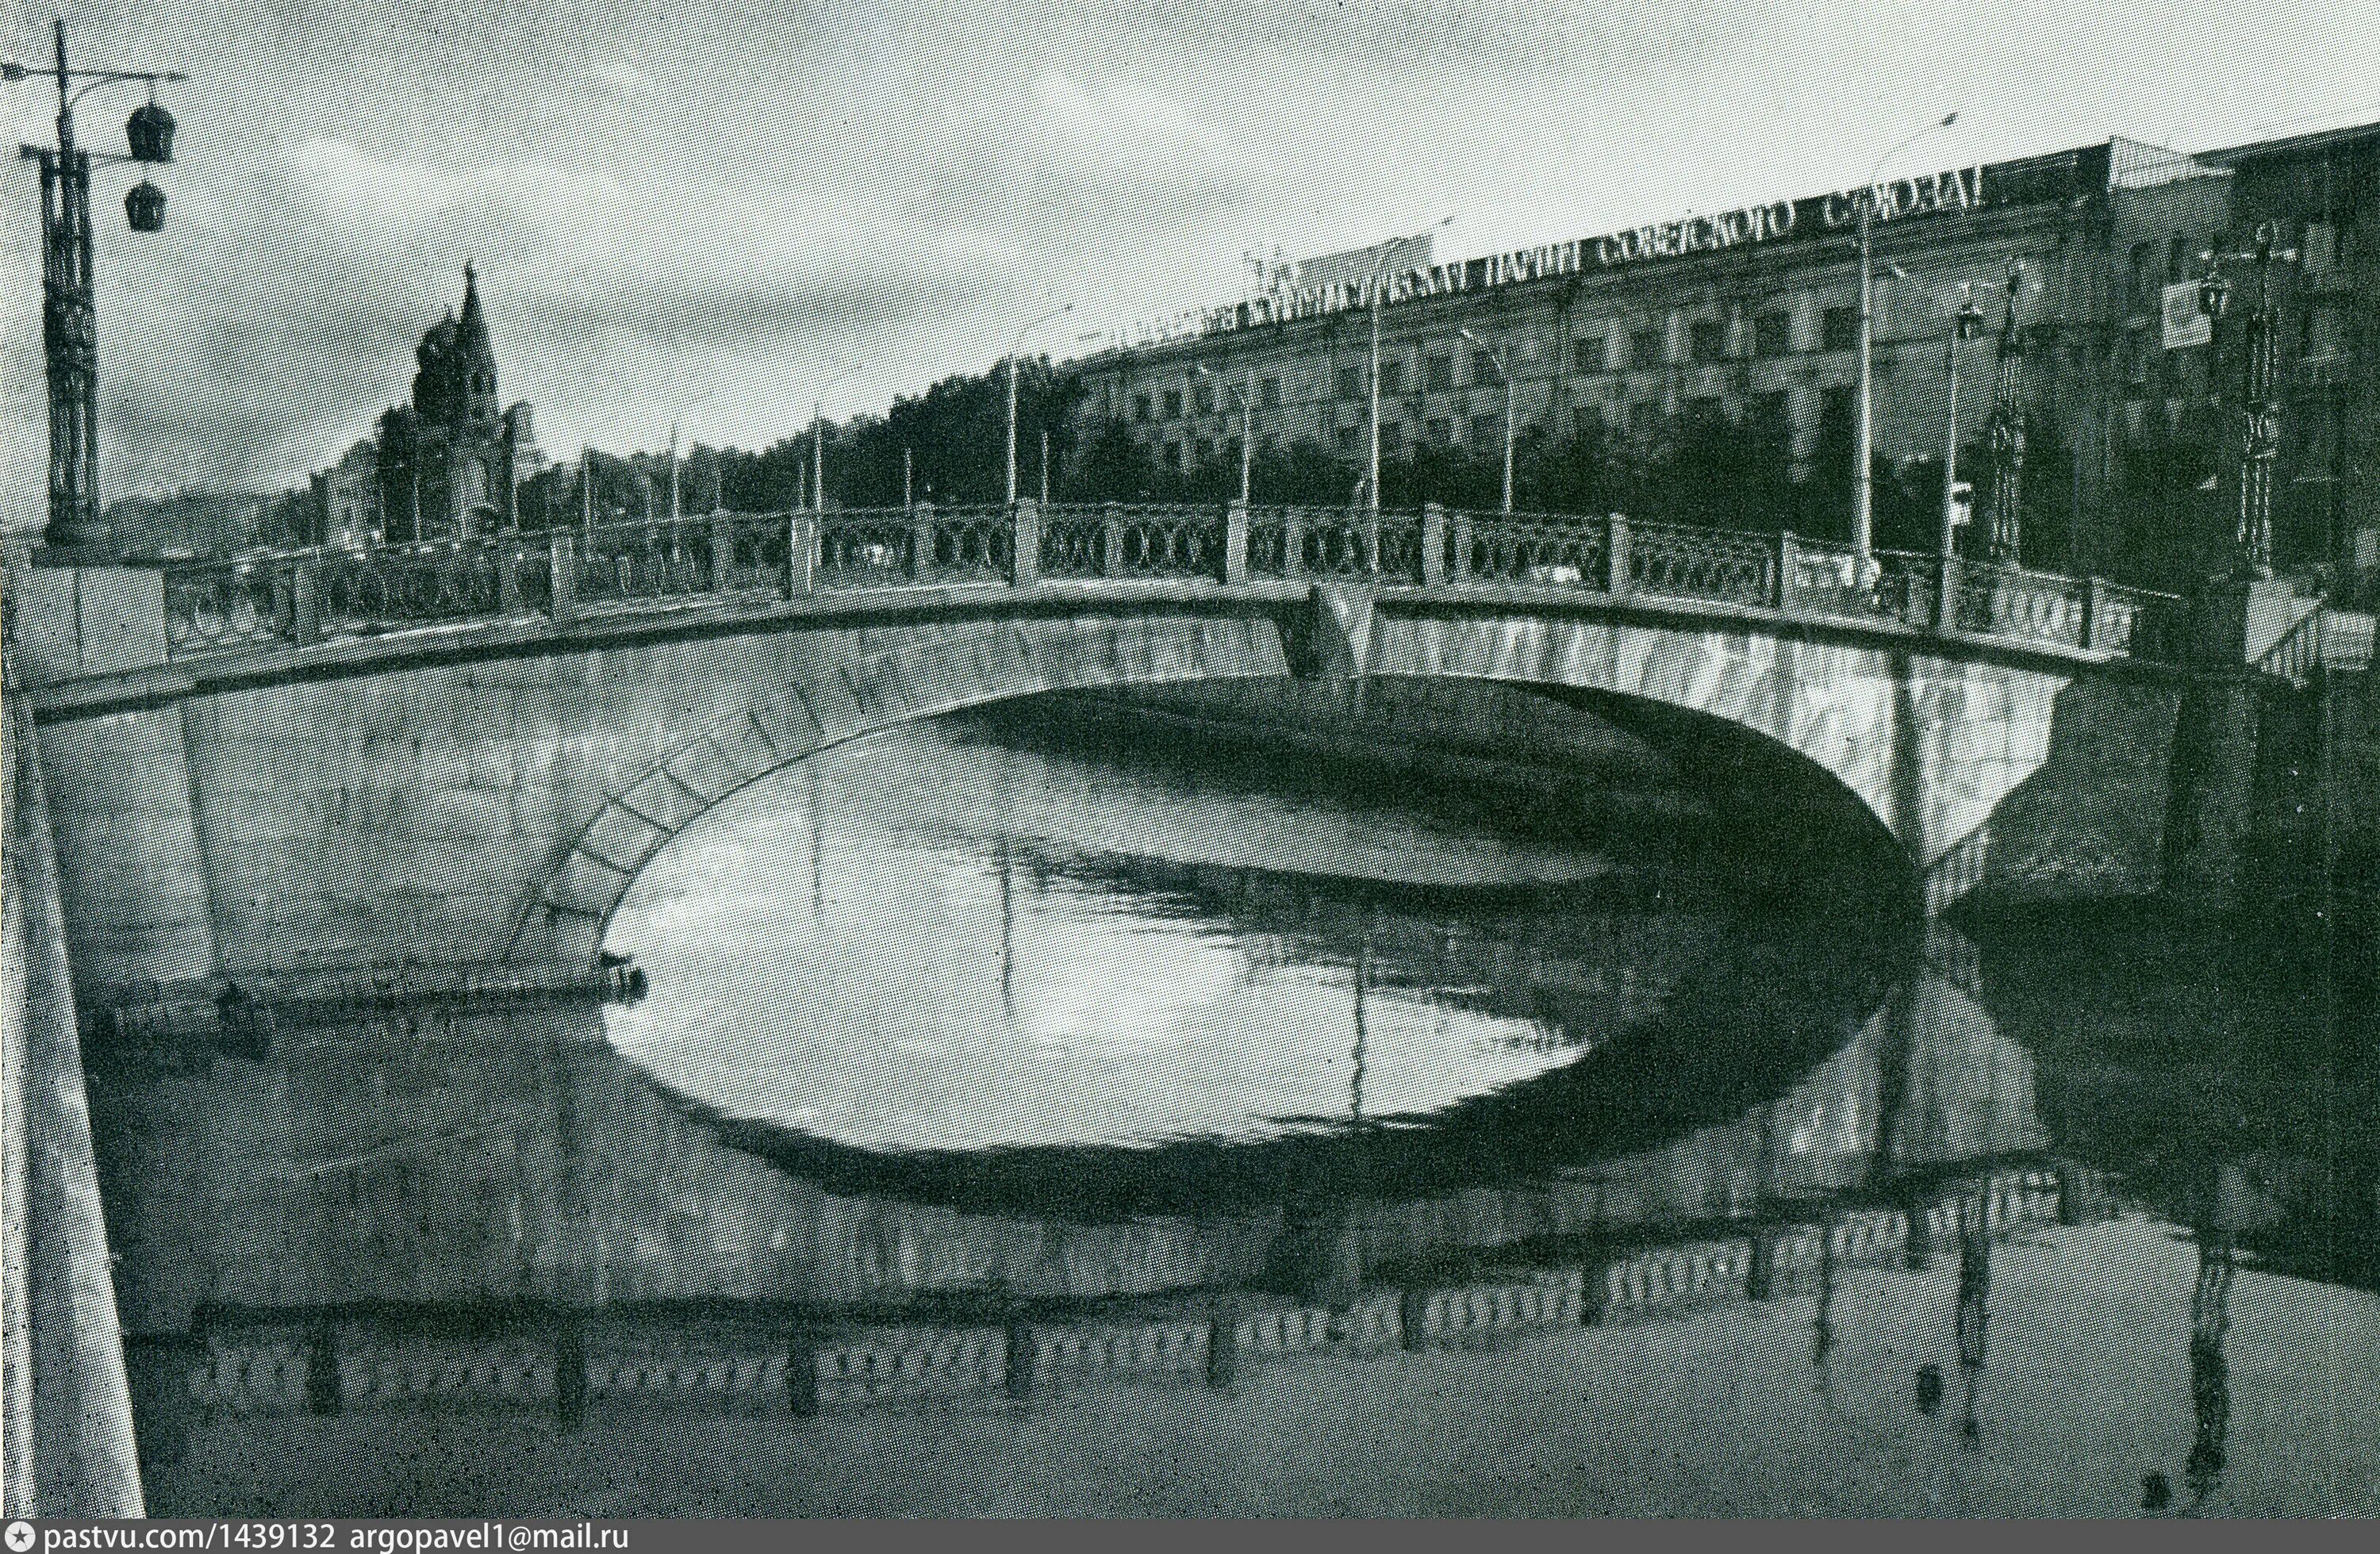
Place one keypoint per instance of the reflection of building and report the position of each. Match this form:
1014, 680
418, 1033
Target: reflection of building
1753, 315
450, 462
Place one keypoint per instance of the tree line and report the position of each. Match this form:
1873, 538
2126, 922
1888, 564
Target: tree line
948, 446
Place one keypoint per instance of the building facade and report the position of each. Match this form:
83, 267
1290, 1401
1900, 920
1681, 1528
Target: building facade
449, 464
345, 499
2322, 193
1753, 316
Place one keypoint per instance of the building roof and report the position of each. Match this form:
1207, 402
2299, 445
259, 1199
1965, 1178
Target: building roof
2294, 145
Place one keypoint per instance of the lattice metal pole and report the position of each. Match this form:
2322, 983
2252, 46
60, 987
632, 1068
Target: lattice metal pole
2260, 409
2262, 443
2004, 547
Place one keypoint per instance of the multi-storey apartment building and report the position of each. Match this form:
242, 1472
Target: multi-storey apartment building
2130, 398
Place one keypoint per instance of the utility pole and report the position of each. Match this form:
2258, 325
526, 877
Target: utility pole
672, 458
1045, 466
1372, 376
1863, 442
1965, 325
1015, 346
1503, 371
906, 501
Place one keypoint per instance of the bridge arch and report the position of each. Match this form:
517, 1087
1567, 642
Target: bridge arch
1984, 770
451, 801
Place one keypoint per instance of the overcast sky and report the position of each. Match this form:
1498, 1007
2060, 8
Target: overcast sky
698, 209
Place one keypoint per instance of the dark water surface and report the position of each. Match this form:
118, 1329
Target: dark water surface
1063, 1107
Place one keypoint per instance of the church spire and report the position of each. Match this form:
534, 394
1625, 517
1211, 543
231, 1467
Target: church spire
474, 354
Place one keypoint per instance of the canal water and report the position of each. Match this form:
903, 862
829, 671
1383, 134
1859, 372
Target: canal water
1278, 1098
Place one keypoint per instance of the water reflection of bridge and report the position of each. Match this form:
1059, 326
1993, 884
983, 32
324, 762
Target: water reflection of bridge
387, 1192
779, 1356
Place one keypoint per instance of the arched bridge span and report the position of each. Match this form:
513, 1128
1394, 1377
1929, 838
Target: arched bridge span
489, 789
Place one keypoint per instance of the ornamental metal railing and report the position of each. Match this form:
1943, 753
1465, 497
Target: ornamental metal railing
299, 597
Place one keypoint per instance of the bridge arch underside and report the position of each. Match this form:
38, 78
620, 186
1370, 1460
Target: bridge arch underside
1999, 778
498, 808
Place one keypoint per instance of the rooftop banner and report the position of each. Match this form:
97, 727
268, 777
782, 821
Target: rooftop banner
1355, 266
1334, 283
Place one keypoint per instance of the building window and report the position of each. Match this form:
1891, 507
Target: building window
1774, 411
1772, 335
1484, 368
1590, 352
1586, 422
1347, 446
1206, 450
1268, 393
1709, 339
2177, 254
1350, 382
1203, 396
1487, 431
2139, 292
1140, 407
1392, 437
1438, 374
1835, 408
1706, 410
1839, 330
1173, 456
1441, 431
1392, 376
1173, 404
1266, 445
1645, 348
1644, 420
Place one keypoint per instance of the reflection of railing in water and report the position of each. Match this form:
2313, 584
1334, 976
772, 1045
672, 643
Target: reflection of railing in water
763, 1359
258, 1004
301, 597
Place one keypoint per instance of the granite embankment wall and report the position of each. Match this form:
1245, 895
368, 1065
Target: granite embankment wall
68, 1421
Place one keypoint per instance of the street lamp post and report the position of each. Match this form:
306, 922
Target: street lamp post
1863, 445
1965, 325
2261, 443
1504, 372
69, 335
818, 437
2002, 546
1240, 394
1378, 276
1015, 347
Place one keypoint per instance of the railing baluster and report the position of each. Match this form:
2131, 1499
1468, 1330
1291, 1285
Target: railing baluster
302, 597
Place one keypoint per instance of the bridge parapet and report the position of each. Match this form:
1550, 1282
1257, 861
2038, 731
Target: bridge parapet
293, 599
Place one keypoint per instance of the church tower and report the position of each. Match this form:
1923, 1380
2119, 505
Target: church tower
450, 464
474, 362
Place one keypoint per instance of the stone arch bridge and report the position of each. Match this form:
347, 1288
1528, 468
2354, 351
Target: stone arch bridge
450, 754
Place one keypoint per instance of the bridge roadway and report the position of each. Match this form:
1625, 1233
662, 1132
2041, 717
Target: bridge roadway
457, 754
